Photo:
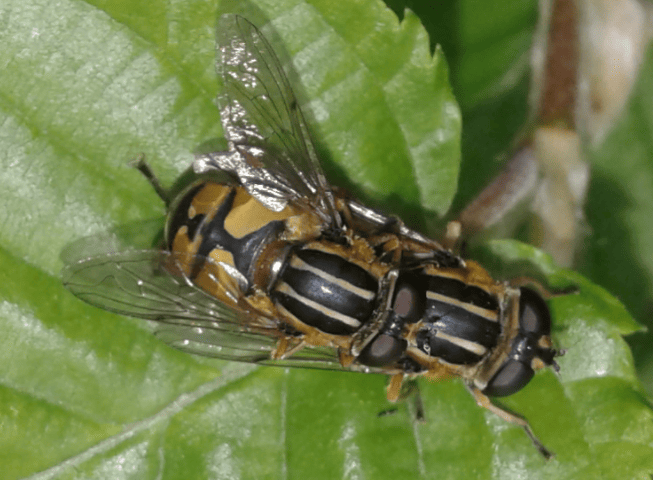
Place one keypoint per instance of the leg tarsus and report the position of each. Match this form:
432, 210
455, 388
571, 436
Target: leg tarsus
286, 347
394, 387
484, 401
411, 390
398, 389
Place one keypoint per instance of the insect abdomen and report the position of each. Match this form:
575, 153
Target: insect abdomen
461, 321
223, 223
326, 291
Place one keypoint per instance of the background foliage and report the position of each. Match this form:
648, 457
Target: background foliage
86, 86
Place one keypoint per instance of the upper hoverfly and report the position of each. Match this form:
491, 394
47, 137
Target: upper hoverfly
263, 262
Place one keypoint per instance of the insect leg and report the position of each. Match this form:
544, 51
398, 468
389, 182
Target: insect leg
394, 387
285, 348
398, 389
142, 166
410, 389
485, 402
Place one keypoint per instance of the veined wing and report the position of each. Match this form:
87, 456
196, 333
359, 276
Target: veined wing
147, 284
249, 347
271, 151
150, 284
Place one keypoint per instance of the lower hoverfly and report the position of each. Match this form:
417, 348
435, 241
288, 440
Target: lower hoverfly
263, 262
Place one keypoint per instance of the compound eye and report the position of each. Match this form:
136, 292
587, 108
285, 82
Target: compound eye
409, 299
512, 377
534, 316
382, 351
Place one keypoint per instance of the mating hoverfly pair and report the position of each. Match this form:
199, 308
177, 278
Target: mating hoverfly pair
264, 262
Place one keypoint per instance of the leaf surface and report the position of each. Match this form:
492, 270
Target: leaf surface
86, 86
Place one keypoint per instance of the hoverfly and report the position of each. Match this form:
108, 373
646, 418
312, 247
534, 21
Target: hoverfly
263, 262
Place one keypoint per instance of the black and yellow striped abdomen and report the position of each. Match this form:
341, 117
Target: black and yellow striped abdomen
220, 224
224, 238
461, 321
326, 291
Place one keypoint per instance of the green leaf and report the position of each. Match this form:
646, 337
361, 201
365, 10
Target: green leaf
620, 212
87, 394
487, 45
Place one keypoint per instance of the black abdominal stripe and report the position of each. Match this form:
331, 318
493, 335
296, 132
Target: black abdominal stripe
326, 291
461, 322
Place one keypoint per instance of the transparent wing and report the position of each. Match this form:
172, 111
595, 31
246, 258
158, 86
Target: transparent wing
135, 283
139, 235
270, 147
244, 348
139, 283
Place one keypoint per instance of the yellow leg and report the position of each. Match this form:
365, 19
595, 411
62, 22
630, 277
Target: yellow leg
394, 387
285, 348
485, 402
399, 390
